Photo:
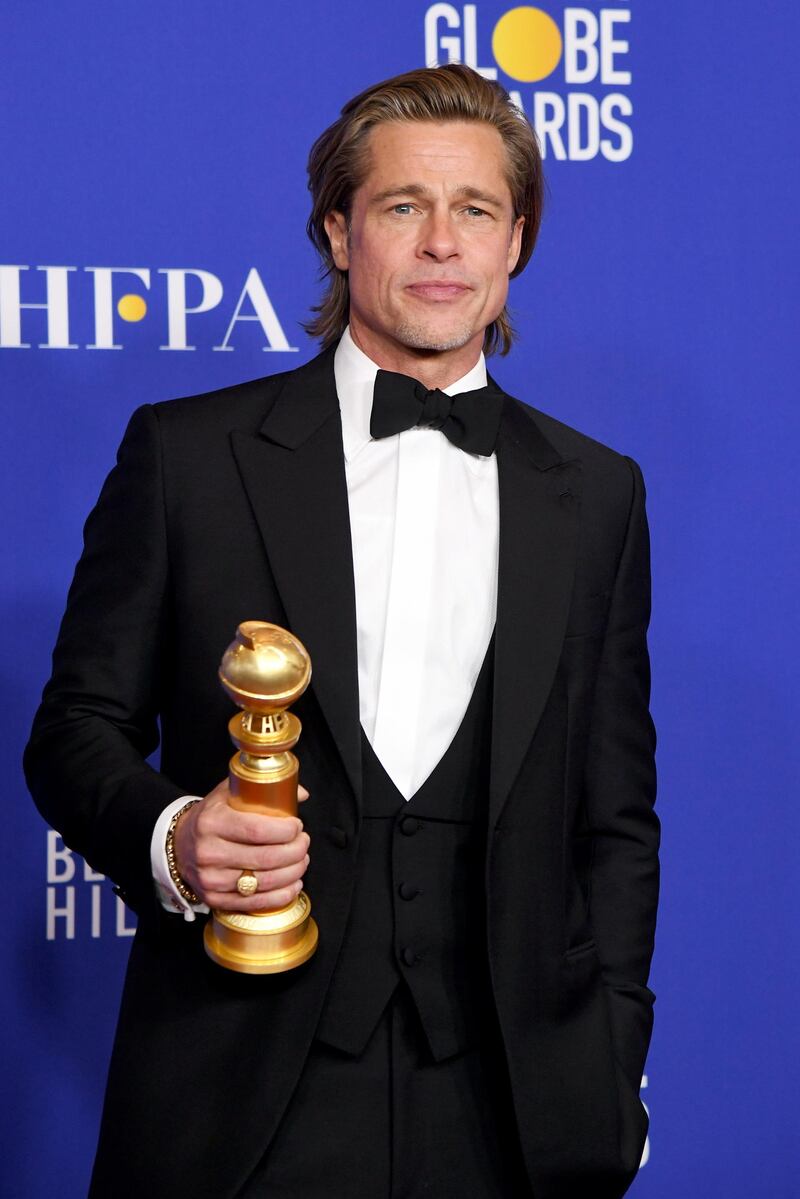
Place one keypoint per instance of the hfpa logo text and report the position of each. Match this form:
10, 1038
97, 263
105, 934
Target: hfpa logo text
41, 310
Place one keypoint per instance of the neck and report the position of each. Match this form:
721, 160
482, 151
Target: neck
433, 368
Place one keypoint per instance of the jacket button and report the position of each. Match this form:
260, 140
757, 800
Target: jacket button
338, 836
409, 825
407, 891
409, 957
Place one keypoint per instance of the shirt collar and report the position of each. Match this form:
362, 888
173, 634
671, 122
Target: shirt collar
355, 378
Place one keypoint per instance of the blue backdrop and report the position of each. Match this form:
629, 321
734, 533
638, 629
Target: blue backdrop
152, 204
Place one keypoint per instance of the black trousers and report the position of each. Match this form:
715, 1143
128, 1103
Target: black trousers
395, 1124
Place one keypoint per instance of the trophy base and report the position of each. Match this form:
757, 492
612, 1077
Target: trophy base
262, 942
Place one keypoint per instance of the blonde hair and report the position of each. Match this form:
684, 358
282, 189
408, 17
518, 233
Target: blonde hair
339, 163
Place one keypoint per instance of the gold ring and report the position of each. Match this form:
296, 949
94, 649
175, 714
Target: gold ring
247, 883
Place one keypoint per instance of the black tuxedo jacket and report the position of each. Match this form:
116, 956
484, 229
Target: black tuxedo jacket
233, 506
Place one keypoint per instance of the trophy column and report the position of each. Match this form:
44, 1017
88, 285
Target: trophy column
264, 671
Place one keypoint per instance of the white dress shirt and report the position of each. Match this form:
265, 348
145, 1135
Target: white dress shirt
424, 522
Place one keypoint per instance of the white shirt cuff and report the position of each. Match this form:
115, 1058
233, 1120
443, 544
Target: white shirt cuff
168, 894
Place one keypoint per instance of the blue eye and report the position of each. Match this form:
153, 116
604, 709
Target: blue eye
404, 207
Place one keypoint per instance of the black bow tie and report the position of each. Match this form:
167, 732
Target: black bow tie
470, 420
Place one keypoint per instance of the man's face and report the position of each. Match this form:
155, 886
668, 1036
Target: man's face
431, 242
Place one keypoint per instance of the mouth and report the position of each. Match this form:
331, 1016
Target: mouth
438, 291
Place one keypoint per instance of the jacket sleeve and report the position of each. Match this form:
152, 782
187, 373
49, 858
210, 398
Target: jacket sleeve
620, 791
85, 762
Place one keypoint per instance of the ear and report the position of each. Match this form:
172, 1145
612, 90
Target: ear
515, 245
336, 229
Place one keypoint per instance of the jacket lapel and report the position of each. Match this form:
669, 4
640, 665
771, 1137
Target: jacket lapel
539, 503
293, 471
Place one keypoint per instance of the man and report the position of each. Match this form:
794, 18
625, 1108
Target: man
471, 579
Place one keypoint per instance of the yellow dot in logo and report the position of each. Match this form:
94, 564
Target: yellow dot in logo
527, 44
131, 308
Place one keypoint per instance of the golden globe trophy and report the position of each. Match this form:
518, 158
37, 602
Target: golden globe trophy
264, 671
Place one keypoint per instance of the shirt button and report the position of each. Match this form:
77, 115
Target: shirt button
408, 826
409, 957
407, 891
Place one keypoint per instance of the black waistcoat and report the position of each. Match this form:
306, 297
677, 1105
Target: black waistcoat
418, 913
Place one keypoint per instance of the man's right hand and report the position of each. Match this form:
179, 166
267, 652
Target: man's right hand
214, 843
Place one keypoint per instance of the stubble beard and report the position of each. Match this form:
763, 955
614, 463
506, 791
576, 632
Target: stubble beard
416, 336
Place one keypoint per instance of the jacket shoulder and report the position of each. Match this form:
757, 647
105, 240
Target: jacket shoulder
571, 444
610, 481
237, 406
241, 406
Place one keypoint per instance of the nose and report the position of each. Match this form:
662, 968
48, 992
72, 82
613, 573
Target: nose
439, 240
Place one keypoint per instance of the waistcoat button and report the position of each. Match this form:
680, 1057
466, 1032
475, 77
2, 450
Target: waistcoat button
409, 825
409, 957
407, 891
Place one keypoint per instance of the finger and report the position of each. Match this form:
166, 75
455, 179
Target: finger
247, 828
261, 901
302, 794
221, 881
220, 793
213, 853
